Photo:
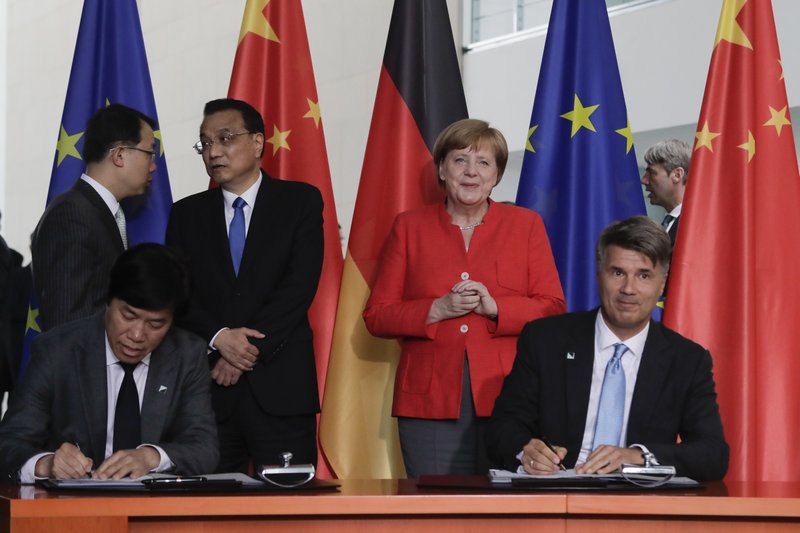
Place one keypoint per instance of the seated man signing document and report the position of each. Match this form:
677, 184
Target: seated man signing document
609, 387
117, 394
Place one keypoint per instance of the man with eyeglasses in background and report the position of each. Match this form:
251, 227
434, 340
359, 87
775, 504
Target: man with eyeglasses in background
255, 248
83, 231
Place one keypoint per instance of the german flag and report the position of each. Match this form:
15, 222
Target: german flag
419, 94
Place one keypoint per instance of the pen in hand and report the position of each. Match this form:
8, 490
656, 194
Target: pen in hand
550, 446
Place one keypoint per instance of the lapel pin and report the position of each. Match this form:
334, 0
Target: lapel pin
162, 388
570, 355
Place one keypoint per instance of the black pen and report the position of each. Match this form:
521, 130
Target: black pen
560, 464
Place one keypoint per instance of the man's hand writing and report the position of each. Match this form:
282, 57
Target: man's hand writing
133, 463
538, 459
67, 463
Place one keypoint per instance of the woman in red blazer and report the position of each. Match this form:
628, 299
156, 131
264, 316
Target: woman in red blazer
456, 283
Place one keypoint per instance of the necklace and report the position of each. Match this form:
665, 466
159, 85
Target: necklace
471, 226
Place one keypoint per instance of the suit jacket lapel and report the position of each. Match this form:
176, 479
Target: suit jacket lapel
91, 365
653, 369
579, 373
216, 230
159, 391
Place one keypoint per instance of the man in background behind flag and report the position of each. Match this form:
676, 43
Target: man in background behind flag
733, 282
579, 169
273, 73
96, 80
419, 94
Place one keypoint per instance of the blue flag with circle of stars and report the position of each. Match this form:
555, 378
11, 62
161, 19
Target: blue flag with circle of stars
579, 170
109, 66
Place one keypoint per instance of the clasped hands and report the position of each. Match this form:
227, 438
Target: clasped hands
238, 354
68, 462
465, 297
538, 459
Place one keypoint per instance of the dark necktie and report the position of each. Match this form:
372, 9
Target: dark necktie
127, 418
611, 409
667, 219
236, 234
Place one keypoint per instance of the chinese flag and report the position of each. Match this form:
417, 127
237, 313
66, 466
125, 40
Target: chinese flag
419, 94
272, 71
734, 283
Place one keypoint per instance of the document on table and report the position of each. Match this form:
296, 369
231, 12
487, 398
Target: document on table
129, 483
506, 476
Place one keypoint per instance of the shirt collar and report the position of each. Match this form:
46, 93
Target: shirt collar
677, 211
605, 338
248, 196
104, 193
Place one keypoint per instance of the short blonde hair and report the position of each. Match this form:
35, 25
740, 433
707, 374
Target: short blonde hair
470, 132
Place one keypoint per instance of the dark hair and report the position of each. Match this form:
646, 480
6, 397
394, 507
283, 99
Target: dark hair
471, 133
150, 276
112, 126
252, 118
639, 234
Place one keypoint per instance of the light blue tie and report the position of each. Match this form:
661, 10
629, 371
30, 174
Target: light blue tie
236, 234
612, 401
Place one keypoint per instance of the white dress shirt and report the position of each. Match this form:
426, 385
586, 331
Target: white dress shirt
604, 341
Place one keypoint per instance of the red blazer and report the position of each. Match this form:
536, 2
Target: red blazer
421, 260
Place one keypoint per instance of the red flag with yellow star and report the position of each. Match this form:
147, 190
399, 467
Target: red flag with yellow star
272, 71
734, 284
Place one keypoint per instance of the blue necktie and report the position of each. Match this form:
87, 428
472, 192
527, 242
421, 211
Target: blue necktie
612, 402
236, 234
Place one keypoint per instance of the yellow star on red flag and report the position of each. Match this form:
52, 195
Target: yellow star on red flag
278, 139
749, 146
704, 138
255, 22
778, 119
313, 111
728, 29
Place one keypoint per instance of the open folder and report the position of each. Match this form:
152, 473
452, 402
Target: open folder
569, 479
168, 482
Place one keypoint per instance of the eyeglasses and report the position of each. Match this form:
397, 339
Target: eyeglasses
151, 153
223, 139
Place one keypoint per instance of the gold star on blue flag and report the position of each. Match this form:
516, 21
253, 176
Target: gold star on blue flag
580, 170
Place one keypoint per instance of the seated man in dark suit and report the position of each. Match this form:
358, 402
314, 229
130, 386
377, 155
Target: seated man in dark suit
120, 393
611, 386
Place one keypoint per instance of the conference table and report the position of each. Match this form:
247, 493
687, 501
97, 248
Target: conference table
400, 505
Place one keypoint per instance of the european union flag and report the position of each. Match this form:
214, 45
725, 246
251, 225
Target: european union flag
579, 170
109, 66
